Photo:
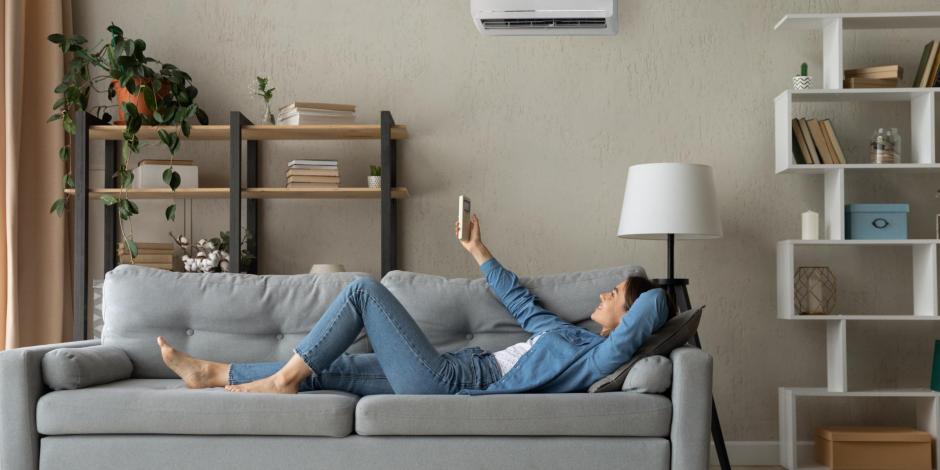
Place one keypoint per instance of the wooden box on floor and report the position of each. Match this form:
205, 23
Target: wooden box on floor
873, 447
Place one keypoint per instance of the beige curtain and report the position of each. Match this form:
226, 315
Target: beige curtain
34, 261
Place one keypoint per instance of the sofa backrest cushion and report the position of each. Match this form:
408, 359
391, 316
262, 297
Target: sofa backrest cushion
458, 313
217, 316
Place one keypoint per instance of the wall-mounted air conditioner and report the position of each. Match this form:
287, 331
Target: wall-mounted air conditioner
545, 17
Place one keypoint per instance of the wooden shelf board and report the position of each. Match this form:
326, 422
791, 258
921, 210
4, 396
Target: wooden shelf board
897, 392
885, 20
911, 242
858, 94
264, 132
819, 169
252, 193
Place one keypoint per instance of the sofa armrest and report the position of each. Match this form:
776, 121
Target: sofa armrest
691, 408
20, 388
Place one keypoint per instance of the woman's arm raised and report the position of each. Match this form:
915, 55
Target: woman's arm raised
505, 285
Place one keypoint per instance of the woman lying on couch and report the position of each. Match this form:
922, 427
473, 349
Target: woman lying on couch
559, 356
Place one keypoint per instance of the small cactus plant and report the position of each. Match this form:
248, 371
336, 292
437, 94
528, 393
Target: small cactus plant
375, 170
804, 70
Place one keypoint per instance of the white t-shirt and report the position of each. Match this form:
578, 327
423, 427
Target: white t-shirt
509, 356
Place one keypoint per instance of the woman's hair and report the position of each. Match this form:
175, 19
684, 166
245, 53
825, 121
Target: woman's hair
637, 285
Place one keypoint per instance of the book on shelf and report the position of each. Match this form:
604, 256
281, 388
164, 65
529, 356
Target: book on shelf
926, 72
315, 164
311, 185
800, 149
319, 171
833, 141
164, 162
348, 108
299, 113
879, 72
819, 139
861, 82
815, 142
150, 247
313, 179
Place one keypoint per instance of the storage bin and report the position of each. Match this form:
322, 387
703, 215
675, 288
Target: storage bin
873, 447
876, 221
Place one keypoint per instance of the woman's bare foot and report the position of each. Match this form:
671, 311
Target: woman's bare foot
287, 380
272, 384
195, 373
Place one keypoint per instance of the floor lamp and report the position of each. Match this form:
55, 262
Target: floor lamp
670, 201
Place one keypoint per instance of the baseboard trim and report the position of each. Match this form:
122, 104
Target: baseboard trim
760, 453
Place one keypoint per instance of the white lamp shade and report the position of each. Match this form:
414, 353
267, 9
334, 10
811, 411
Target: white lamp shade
669, 198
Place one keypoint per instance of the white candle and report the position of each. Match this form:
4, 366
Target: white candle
810, 225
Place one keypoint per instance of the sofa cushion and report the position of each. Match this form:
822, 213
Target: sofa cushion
563, 414
458, 313
218, 316
651, 374
71, 368
676, 332
166, 406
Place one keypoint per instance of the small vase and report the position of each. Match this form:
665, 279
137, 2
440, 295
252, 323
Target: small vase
268, 115
802, 82
375, 181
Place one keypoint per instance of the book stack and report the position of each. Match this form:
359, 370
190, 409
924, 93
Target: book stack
154, 255
926, 75
815, 142
881, 76
298, 113
313, 174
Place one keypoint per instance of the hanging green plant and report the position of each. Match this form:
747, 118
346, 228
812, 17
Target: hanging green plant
148, 93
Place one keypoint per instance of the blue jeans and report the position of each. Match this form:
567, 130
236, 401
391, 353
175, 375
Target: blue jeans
404, 361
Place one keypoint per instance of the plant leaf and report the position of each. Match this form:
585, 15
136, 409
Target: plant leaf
201, 116
54, 117
148, 97
167, 175
64, 153
171, 212
68, 181
131, 246
109, 200
175, 181
58, 207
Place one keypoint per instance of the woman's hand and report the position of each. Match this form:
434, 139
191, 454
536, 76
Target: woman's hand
475, 244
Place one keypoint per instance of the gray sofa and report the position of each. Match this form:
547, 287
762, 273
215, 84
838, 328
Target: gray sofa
149, 420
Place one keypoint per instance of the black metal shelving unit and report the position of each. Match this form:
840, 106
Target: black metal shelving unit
239, 130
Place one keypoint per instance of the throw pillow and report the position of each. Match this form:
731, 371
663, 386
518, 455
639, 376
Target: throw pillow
651, 374
676, 332
72, 368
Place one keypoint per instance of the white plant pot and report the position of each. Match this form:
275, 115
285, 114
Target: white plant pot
375, 181
802, 83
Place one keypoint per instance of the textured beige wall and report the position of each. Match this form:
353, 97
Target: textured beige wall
539, 132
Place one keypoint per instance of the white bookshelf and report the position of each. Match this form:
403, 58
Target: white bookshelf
924, 265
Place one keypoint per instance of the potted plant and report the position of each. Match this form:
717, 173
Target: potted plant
261, 89
148, 92
375, 176
213, 255
803, 81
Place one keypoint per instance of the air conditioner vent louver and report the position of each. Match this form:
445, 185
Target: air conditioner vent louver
544, 23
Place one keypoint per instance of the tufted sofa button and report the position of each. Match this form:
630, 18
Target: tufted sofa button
280, 336
189, 331
469, 336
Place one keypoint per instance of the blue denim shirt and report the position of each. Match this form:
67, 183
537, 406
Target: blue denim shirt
567, 358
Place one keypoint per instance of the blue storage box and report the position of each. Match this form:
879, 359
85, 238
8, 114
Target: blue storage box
876, 221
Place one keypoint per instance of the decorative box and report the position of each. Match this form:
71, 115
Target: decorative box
876, 221
151, 176
873, 447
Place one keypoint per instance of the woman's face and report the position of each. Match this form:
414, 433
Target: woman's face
610, 309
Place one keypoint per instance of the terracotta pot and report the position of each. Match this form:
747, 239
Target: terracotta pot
124, 96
